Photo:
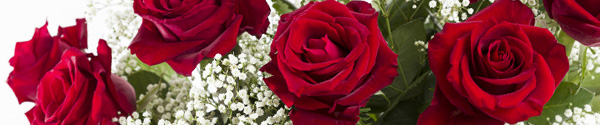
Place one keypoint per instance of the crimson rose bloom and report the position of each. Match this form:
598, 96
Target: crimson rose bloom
35, 57
493, 68
81, 91
580, 19
327, 59
182, 33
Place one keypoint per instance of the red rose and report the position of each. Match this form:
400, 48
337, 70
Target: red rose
35, 57
580, 19
327, 59
182, 33
81, 91
493, 68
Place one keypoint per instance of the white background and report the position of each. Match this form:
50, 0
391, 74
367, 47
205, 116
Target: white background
18, 20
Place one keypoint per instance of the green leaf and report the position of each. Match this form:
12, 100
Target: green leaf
372, 116
365, 109
162, 69
406, 85
567, 41
596, 103
400, 12
283, 6
141, 104
410, 61
344, 1
565, 97
406, 112
139, 80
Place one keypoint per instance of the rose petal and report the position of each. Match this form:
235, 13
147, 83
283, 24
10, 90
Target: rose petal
255, 13
441, 112
75, 36
307, 117
186, 63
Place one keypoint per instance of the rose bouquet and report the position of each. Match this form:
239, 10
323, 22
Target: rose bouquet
425, 62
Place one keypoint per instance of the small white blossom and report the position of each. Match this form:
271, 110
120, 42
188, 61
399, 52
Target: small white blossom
135, 115
160, 109
470, 10
232, 59
568, 113
432, 4
587, 108
557, 118
218, 56
230, 80
577, 110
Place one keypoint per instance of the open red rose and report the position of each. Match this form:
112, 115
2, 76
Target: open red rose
35, 57
182, 33
327, 59
580, 19
493, 68
82, 91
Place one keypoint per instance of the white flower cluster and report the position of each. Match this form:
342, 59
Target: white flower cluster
164, 102
422, 45
578, 116
125, 65
228, 90
451, 10
575, 116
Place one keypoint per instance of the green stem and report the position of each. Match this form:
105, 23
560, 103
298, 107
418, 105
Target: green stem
434, 20
402, 73
389, 30
415, 12
479, 6
397, 89
583, 59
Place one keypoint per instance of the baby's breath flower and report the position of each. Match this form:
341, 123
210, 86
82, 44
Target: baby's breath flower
432, 4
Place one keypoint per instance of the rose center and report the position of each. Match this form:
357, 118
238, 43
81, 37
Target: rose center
321, 50
500, 55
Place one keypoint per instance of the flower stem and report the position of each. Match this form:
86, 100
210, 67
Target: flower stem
583, 59
416, 10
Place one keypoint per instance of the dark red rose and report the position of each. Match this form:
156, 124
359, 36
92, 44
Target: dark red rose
493, 68
82, 91
327, 59
35, 57
182, 33
580, 19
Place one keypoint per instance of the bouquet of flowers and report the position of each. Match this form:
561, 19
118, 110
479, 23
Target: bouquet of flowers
264, 62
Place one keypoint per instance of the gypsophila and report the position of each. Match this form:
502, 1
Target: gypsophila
228, 90
578, 116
